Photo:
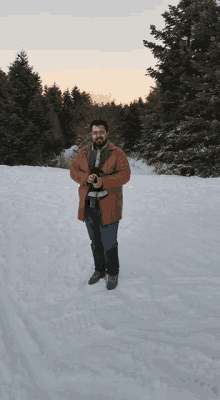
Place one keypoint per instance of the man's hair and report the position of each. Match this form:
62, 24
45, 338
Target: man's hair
99, 122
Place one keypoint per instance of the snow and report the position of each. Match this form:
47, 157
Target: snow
68, 152
156, 336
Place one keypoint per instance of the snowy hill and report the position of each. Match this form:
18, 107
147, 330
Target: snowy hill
156, 336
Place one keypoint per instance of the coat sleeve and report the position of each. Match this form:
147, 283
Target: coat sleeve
76, 173
122, 175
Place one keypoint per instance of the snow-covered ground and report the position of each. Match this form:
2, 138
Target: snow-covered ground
155, 337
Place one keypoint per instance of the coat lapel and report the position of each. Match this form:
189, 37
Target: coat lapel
104, 155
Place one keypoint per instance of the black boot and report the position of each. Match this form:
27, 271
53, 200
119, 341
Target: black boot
96, 277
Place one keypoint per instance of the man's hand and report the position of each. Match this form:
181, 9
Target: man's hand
99, 183
91, 178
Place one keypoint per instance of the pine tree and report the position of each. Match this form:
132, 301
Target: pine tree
189, 90
198, 136
111, 113
123, 112
19, 130
151, 122
82, 115
132, 126
79, 105
67, 120
5, 110
53, 96
39, 130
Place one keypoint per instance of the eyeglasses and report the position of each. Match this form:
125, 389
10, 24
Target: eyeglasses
98, 133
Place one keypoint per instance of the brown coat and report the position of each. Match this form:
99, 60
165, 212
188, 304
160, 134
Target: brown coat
117, 173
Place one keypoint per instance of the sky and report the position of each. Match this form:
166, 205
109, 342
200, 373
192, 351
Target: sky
95, 45
155, 336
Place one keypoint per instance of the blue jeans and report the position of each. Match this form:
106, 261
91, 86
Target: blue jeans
104, 242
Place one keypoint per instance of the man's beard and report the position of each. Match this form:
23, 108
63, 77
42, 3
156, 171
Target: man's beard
100, 143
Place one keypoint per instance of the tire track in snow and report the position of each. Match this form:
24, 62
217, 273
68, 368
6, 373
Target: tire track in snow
5, 247
30, 281
56, 368
17, 276
23, 375
45, 330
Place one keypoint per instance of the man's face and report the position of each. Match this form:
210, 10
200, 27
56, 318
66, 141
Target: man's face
99, 135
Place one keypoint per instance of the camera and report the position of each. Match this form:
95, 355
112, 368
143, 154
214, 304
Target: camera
99, 173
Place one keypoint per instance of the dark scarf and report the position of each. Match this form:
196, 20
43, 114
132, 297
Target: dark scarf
91, 157
104, 155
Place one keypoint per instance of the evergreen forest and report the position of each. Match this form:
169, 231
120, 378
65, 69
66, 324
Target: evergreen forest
176, 129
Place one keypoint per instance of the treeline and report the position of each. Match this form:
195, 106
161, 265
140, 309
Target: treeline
177, 128
36, 124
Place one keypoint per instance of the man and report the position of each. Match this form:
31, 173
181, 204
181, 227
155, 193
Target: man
101, 168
